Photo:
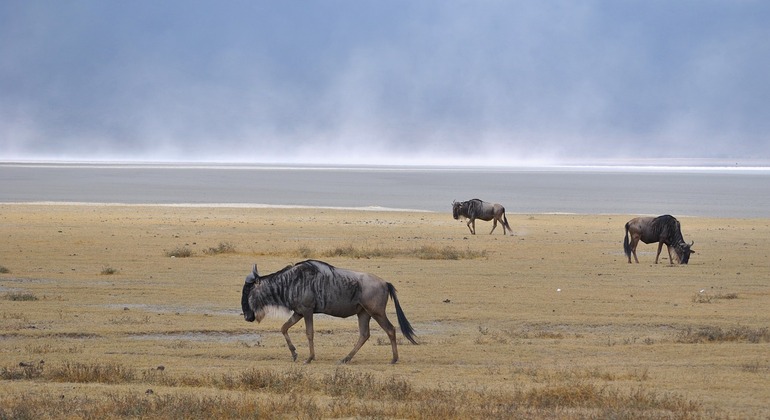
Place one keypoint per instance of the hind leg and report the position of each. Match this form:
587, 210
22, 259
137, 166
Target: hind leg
634, 243
391, 331
363, 335
494, 225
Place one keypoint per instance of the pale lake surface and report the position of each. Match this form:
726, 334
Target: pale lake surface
691, 191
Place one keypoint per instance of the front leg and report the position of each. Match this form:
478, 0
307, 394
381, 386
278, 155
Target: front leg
295, 317
309, 333
670, 257
660, 247
473, 229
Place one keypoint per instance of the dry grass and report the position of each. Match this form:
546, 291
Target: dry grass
20, 296
342, 393
549, 323
424, 252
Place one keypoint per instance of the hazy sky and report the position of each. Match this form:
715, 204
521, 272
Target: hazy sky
384, 81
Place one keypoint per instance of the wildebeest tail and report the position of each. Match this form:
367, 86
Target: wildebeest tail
626, 245
406, 328
506, 225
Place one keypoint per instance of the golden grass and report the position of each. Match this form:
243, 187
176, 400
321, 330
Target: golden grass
552, 322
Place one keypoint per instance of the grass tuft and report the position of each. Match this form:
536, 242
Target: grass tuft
111, 373
180, 252
4, 270
222, 248
712, 334
108, 271
20, 296
425, 252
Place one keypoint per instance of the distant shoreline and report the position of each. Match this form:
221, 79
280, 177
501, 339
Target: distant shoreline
619, 165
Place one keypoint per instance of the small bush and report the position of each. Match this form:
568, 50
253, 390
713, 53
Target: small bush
20, 296
180, 252
717, 335
4, 270
222, 248
108, 271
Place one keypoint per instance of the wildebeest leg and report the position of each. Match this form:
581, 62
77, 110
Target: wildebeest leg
634, 243
309, 333
363, 335
391, 331
670, 257
473, 230
295, 317
494, 225
660, 248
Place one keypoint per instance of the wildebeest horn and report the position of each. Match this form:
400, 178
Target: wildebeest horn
692, 243
253, 277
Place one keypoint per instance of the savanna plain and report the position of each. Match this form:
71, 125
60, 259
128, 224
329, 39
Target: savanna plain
134, 312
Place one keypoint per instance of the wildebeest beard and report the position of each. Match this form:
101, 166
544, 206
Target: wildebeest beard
248, 314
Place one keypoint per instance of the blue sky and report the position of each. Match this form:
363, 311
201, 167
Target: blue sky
474, 82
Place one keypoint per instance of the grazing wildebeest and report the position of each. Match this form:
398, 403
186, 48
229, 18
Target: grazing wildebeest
312, 287
478, 209
663, 230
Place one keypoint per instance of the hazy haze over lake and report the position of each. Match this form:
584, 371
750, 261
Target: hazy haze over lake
717, 192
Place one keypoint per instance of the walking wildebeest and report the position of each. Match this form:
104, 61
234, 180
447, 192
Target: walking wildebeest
312, 287
663, 230
477, 209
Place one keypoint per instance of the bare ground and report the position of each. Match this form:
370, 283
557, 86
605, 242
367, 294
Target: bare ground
555, 304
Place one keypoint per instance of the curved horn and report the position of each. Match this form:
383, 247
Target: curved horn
692, 243
253, 277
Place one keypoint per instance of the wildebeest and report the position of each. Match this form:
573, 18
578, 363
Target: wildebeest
663, 230
478, 209
312, 287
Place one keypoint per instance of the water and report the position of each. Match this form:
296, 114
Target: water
712, 192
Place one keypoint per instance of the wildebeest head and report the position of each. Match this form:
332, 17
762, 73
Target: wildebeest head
456, 209
252, 281
683, 251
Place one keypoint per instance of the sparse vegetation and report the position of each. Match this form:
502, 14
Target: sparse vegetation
549, 323
424, 252
703, 297
20, 296
4, 270
180, 252
108, 271
712, 334
298, 393
222, 248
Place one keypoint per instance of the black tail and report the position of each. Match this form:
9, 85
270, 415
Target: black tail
626, 245
406, 328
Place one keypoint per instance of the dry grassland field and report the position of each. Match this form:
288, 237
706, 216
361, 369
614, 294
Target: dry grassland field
134, 311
